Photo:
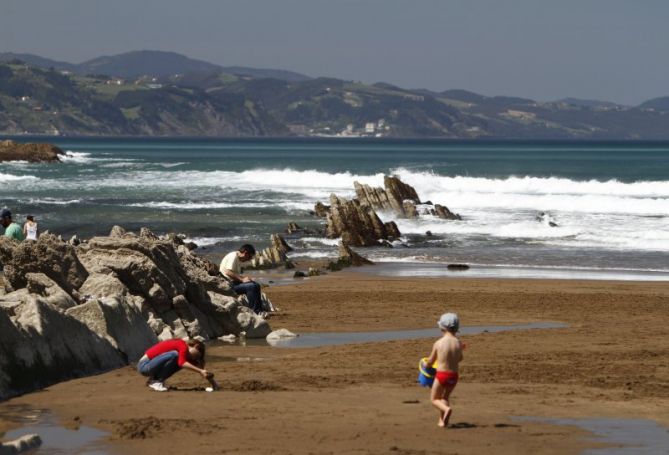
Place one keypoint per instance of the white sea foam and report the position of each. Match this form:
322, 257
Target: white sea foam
599, 214
16, 178
222, 205
88, 158
318, 240
458, 193
51, 201
76, 157
313, 254
592, 196
207, 241
121, 164
312, 185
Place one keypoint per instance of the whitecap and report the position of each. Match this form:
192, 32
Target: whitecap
16, 178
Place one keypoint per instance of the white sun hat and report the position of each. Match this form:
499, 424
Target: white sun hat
449, 321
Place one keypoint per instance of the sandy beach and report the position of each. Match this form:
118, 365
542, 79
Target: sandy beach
608, 362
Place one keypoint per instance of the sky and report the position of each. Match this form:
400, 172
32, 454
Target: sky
613, 50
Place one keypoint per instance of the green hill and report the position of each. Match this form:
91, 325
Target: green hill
34, 100
210, 101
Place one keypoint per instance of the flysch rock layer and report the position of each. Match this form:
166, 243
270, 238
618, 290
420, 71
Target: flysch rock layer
357, 224
399, 198
70, 311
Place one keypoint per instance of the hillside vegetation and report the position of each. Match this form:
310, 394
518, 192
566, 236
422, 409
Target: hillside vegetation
167, 94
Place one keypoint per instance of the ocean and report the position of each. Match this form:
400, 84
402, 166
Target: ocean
608, 200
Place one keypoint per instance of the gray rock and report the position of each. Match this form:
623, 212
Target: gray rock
273, 256
117, 232
42, 285
40, 345
99, 285
279, 334
23, 444
349, 257
119, 323
47, 255
254, 325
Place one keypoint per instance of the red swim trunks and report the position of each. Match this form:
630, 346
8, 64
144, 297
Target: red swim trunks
447, 378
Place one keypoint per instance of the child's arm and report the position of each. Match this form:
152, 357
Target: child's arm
433, 356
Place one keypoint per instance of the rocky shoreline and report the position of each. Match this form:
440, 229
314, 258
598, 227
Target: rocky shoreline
71, 308
33, 153
69, 311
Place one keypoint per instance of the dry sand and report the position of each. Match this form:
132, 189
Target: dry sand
611, 361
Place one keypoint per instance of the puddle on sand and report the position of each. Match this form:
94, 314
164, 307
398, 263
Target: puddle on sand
58, 440
624, 436
311, 340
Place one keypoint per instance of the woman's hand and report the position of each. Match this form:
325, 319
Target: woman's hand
207, 374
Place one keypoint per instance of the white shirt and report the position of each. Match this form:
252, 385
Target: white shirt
231, 262
31, 231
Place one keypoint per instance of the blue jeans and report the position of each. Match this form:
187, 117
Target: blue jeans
252, 292
160, 367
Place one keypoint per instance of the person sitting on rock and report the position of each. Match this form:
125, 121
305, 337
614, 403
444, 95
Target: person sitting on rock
12, 230
231, 268
30, 228
162, 360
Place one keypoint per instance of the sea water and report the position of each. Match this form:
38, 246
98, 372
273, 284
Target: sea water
608, 201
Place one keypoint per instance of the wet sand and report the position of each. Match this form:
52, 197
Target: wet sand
610, 361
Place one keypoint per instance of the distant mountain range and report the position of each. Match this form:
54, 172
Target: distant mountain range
151, 63
164, 93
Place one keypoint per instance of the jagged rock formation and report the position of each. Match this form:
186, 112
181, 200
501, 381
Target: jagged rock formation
294, 229
400, 198
23, 444
34, 153
357, 224
272, 256
321, 210
391, 198
73, 311
347, 258
350, 257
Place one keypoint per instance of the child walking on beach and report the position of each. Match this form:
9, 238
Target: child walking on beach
447, 353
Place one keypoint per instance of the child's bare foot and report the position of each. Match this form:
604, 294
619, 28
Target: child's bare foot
445, 418
440, 422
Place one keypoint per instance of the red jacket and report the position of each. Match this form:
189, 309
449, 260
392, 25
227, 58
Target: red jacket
169, 345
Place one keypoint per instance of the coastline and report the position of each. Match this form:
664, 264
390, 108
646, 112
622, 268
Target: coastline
608, 362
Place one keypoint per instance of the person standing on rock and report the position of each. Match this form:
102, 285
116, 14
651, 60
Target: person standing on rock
12, 230
30, 228
164, 359
231, 268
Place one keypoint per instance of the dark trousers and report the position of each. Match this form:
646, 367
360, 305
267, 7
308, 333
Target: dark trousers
160, 367
252, 292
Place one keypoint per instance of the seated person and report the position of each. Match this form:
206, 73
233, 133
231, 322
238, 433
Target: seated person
231, 268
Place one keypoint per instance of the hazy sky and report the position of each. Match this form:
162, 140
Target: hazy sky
543, 49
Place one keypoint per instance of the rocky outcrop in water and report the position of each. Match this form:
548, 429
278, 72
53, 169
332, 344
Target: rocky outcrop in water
73, 311
34, 153
401, 199
357, 224
391, 198
321, 210
350, 257
273, 256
